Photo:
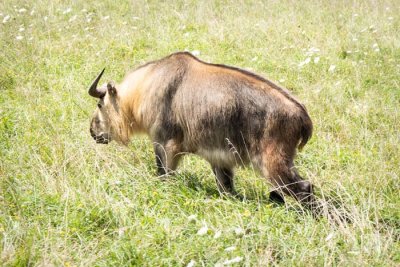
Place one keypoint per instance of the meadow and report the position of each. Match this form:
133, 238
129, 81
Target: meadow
67, 201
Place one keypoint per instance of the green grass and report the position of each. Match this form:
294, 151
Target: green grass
65, 201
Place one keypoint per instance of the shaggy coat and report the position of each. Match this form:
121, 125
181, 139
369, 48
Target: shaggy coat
226, 115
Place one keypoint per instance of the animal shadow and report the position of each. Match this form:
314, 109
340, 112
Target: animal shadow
202, 184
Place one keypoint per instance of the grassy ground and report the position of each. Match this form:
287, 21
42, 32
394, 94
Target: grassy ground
65, 201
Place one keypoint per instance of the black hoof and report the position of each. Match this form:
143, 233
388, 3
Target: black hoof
276, 197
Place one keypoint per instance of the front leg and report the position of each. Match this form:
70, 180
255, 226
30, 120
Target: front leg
167, 157
224, 178
160, 160
276, 196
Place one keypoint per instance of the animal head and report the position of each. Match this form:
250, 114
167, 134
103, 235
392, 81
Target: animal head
104, 125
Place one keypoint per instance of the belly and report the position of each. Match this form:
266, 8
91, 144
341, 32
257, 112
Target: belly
220, 157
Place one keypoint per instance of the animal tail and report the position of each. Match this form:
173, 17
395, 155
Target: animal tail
305, 130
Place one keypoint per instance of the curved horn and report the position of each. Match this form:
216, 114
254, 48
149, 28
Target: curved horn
97, 92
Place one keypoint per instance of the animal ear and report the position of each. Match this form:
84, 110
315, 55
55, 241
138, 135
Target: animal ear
111, 88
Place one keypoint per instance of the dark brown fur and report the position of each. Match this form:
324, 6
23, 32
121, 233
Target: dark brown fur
227, 115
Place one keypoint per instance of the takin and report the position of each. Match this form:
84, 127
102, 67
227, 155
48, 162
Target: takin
226, 115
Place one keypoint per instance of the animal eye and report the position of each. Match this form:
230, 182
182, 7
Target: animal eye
99, 105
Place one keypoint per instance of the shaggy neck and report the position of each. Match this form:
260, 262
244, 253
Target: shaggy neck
133, 100
131, 122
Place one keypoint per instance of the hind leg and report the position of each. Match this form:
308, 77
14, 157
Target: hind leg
224, 178
277, 163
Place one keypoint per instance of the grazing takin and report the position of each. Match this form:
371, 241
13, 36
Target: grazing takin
228, 116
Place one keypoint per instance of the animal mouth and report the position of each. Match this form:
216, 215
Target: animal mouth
101, 140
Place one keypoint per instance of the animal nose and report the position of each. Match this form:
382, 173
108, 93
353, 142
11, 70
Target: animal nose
92, 133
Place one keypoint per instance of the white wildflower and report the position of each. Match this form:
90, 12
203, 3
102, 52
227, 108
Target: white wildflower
332, 68
217, 234
234, 260
68, 10
32, 12
19, 37
121, 231
375, 46
390, 18
230, 248
72, 18
281, 80
192, 218
84, 10
316, 60
313, 49
355, 15
196, 52
203, 230
45, 18
21, 29
305, 62
135, 18
239, 231
6, 19
191, 263
329, 237
21, 10
106, 17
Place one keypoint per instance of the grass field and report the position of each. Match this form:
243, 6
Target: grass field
65, 201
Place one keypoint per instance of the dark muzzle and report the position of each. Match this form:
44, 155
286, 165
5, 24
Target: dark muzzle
100, 139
